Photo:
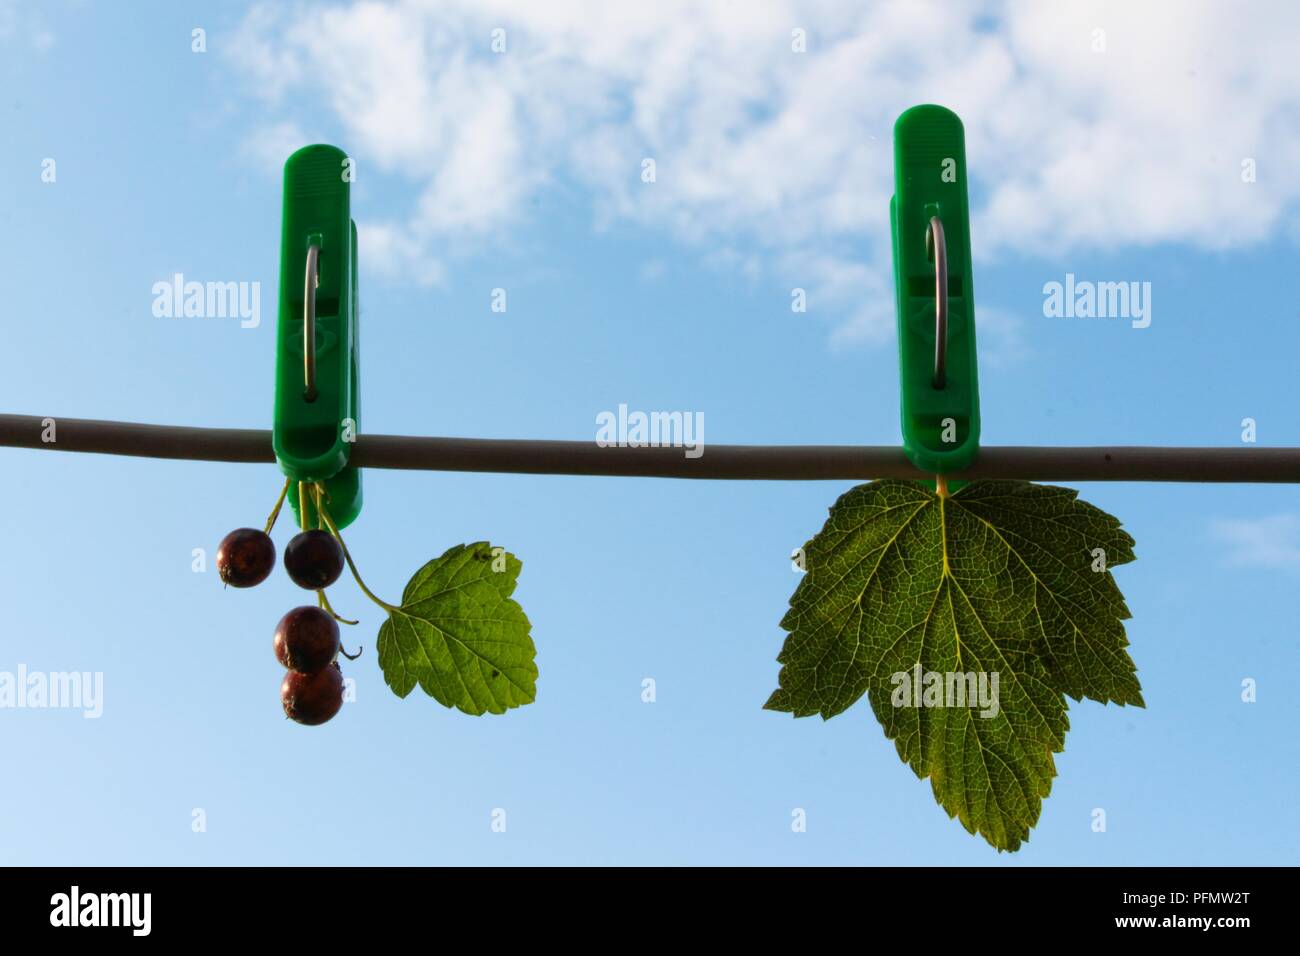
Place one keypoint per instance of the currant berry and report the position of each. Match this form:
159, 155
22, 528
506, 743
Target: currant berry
245, 557
313, 559
312, 698
306, 639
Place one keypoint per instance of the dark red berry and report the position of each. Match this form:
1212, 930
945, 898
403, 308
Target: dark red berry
306, 639
312, 698
245, 557
313, 559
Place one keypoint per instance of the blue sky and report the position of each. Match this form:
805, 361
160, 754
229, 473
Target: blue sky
521, 171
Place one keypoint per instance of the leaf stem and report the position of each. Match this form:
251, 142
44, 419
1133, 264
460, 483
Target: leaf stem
325, 515
941, 486
279, 503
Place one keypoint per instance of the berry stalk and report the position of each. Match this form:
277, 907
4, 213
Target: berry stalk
329, 523
279, 503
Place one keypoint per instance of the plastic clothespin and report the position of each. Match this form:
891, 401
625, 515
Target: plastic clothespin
316, 368
930, 220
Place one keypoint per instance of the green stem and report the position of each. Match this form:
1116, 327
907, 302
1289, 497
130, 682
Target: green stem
302, 504
279, 503
325, 516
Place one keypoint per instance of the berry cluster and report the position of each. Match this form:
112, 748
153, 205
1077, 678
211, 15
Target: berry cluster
307, 638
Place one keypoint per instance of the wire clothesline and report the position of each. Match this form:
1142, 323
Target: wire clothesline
734, 462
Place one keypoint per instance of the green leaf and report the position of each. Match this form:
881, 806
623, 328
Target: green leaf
460, 636
1048, 534
996, 580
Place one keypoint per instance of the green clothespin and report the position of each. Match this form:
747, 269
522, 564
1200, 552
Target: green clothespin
316, 371
930, 220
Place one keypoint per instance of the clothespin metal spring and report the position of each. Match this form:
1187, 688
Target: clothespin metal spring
936, 248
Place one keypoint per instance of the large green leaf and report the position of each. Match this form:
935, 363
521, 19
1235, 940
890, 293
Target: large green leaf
460, 636
1001, 581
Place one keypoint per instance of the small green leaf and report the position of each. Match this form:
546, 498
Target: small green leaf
1002, 578
460, 636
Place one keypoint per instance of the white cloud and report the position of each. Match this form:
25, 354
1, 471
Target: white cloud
392, 253
272, 143
788, 156
653, 270
1000, 337
1271, 542
19, 22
